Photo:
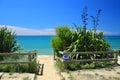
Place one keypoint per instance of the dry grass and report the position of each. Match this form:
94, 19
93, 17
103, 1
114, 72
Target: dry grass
18, 76
94, 74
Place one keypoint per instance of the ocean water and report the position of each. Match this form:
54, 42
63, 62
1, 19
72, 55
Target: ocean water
39, 43
43, 46
114, 41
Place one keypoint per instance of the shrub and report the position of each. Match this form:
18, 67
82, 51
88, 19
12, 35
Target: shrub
8, 42
62, 40
5, 68
60, 65
88, 42
80, 40
18, 68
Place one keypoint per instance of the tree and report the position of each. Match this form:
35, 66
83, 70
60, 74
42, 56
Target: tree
8, 42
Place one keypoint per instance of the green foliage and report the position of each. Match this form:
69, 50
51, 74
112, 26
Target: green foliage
56, 43
26, 78
84, 18
96, 20
72, 65
88, 42
24, 68
77, 41
64, 33
88, 66
5, 68
59, 65
80, 40
62, 40
69, 65
18, 68
32, 67
8, 42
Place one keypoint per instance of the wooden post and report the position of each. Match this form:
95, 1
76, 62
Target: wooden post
29, 59
116, 57
54, 54
76, 56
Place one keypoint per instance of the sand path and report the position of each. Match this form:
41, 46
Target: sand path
49, 71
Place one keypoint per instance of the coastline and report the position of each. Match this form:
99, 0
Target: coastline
45, 57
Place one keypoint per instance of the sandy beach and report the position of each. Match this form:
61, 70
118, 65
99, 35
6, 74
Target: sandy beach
49, 70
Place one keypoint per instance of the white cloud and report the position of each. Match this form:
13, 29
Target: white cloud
26, 31
108, 32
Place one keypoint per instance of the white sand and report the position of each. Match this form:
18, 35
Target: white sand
49, 71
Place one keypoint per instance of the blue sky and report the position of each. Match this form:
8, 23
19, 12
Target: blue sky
42, 16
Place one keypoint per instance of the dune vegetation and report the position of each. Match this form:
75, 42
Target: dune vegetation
80, 39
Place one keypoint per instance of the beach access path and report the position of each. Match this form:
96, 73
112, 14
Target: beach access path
49, 70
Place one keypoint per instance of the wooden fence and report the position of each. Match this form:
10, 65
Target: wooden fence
17, 58
90, 56
22, 58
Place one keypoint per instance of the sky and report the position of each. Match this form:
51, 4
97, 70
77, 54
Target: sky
40, 17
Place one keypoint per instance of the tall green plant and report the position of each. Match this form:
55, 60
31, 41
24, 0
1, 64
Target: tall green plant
93, 42
96, 20
80, 40
84, 18
8, 42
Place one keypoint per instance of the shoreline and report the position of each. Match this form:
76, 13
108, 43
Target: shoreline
45, 57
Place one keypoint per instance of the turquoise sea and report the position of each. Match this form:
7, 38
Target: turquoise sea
43, 46
39, 43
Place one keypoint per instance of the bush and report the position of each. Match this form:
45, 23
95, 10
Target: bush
24, 68
62, 40
62, 66
5, 68
80, 40
59, 65
18, 68
8, 42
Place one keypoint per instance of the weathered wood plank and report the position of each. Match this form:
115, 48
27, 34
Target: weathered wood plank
91, 52
114, 58
14, 62
17, 53
86, 60
34, 59
31, 58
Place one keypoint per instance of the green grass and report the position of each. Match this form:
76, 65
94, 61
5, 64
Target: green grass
62, 66
118, 72
26, 78
17, 67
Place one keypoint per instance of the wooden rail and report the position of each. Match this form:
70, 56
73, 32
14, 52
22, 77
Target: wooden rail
91, 56
31, 57
19, 58
22, 58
